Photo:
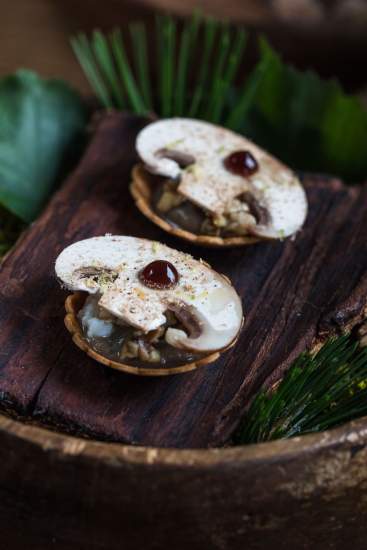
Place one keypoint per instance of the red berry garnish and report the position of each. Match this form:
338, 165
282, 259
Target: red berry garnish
159, 274
241, 163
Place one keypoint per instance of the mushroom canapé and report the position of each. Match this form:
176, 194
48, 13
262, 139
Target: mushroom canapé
212, 186
147, 304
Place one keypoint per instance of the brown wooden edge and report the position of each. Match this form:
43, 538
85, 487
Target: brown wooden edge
140, 189
74, 302
351, 433
267, 495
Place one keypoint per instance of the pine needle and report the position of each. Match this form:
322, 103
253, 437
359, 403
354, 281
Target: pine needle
219, 65
198, 93
225, 81
186, 52
166, 33
246, 97
121, 82
140, 52
106, 63
84, 54
318, 392
126, 74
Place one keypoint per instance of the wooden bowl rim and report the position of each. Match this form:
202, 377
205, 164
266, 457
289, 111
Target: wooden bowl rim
244, 456
141, 193
72, 305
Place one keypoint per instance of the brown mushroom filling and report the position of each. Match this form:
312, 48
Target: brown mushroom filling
119, 342
243, 213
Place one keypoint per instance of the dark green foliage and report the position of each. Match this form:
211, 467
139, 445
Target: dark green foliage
317, 393
308, 123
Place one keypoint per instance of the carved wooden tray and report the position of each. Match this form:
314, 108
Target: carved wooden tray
294, 294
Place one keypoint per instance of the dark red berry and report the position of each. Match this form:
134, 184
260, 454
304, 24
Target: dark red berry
159, 274
241, 163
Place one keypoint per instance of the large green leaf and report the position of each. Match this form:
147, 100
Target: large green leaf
39, 122
308, 122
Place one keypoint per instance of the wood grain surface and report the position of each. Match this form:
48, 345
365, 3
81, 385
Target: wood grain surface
293, 293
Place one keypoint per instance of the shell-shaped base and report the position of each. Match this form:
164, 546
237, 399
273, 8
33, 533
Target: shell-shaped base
75, 302
141, 190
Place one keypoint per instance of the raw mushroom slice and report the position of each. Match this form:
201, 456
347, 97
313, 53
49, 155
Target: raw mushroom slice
207, 330
127, 276
196, 154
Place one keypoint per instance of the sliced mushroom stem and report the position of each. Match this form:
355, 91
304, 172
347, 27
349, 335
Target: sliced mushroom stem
188, 317
260, 213
201, 335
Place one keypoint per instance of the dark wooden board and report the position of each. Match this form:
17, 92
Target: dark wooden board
293, 292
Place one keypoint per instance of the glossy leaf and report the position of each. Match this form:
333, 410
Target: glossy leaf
39, 121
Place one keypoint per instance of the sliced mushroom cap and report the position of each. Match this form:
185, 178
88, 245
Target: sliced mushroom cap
209, 184
205, 303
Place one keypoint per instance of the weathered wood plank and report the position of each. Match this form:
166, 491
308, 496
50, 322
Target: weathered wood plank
292, 292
